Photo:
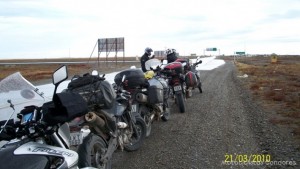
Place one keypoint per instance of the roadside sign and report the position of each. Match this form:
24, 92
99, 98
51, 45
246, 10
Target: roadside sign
240, 53
211, 49
273, 58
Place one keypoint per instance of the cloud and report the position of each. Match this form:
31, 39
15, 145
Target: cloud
51, 28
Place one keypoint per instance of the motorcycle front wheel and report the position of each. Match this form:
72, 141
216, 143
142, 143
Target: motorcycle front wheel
91, 151
138, 137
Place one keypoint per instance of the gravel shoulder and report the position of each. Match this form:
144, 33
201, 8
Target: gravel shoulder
221, 122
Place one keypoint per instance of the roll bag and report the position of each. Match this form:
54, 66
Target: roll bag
95, 90
174, 68
134, 78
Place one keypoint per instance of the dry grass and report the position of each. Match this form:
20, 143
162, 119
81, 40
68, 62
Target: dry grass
276, 86
42, 73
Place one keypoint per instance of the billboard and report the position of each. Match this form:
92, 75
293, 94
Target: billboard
160, 53
111, 45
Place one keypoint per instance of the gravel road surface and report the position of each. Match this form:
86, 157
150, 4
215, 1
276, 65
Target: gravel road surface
222, 123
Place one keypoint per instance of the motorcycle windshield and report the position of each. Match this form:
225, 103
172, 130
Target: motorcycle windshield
20, 92
152, 63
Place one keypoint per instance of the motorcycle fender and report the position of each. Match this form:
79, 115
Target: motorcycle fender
64, 133
178, 92
32, 148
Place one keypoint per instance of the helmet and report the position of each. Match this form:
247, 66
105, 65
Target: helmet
149, 74
170, 51
148, 50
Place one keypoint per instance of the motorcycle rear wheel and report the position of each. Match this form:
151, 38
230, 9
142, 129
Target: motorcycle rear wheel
200, 87
181, 102
145, 114
166, 115
90, 152
139, 137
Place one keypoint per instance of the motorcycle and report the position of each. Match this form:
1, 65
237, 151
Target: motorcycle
192, 75
39, 136
161, 81
174, 71
111, 121
149, 97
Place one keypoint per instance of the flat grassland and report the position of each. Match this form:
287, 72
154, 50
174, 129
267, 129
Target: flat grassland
276, 86
42, 73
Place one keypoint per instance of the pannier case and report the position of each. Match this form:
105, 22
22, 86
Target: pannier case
190, 79
155, 91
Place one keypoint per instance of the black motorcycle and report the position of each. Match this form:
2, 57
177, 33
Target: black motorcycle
149, 96
111, 121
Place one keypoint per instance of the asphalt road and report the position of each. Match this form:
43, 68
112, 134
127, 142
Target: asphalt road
222, 123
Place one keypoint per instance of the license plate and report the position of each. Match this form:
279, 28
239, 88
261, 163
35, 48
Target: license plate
134, 108
76, 138
177, 88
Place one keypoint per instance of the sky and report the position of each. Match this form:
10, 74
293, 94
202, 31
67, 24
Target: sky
70, 28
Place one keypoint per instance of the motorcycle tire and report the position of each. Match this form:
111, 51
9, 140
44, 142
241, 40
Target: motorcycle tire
139, 137
166, 115
145, 114
200, 87
180, 102
90, 152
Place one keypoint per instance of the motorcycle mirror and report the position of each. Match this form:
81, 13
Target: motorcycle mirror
200, 61
95, 73
60, 75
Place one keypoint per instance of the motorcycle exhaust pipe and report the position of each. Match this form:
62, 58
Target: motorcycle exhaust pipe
96, 122
140, 97
93, 119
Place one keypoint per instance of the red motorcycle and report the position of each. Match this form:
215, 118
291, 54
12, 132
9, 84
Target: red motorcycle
175, 73
192, 76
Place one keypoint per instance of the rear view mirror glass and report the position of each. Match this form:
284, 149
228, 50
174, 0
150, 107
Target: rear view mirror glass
60, 75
